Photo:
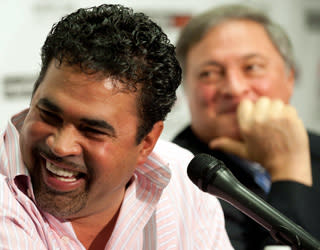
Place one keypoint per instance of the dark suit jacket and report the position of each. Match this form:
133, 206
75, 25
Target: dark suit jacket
297, 201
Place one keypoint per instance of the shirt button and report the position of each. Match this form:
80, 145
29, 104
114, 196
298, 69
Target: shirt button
65, 239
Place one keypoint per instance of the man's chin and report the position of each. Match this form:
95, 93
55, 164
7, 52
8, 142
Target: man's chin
60, 206
235, 136
227, 130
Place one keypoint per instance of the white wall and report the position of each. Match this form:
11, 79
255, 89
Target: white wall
24, 25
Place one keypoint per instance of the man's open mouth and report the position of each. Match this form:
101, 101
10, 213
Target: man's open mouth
61, 178
62, 174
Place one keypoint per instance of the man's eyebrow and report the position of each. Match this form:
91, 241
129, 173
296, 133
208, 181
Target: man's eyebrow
211, 63
244, 57
254, 55
49, 105
99, 124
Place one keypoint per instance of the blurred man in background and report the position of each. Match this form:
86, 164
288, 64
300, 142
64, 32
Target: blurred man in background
238, 74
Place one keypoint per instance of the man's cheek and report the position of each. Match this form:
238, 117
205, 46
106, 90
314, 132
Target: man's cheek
206, 96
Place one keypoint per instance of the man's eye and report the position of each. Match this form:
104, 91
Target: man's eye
254, 67
251, 67
50, 117
204, 74
92, 132
210, 75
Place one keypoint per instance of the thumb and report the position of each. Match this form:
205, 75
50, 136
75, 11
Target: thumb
230, 146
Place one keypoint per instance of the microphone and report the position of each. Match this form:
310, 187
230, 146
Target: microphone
212, 176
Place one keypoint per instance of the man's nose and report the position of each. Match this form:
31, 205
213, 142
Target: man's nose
235, 84
65, 142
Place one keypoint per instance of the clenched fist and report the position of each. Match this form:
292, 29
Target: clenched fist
273, 135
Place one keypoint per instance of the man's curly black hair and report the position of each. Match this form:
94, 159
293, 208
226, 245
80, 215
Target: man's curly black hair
114, 41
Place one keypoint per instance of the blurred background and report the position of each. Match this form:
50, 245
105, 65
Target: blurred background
24, 25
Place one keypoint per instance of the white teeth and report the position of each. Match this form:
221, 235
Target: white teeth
62, 173
66, 179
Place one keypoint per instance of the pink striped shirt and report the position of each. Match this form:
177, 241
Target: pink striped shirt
162, 208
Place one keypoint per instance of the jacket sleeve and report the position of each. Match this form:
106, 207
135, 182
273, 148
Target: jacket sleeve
298, 202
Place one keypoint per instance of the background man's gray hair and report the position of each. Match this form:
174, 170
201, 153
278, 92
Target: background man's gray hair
199, 25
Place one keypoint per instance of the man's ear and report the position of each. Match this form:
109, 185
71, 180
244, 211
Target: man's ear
149, 141
291, 81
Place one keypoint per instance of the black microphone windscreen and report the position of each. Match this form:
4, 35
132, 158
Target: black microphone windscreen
200, 165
